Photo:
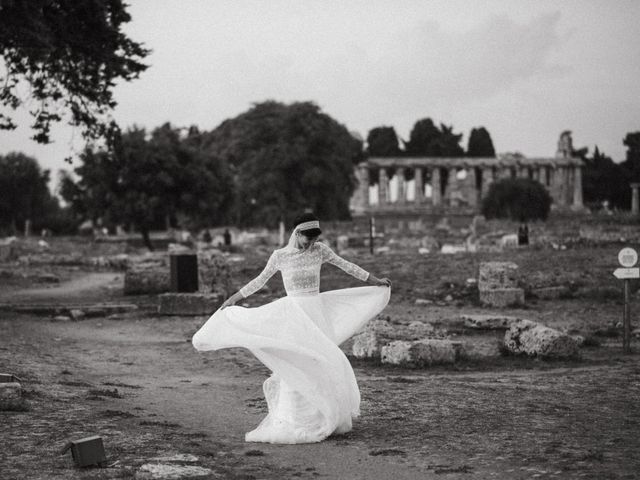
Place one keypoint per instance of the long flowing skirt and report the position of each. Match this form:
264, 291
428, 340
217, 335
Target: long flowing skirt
312, 391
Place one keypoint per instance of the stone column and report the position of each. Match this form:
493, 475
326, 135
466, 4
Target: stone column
559, 177
577, 187
635, 198
487, 180
471, 192
361, 195
383, 187
419, 186
436, 193
402, 188
452, 188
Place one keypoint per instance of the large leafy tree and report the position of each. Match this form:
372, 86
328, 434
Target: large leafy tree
148, 178
427, 140
383, 142
604, 180
286, 158
25, 195
632, 161
69, 54
519, 199
480, 143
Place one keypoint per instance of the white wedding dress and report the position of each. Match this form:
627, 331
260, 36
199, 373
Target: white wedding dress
312, 392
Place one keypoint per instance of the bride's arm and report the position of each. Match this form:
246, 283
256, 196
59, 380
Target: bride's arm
331, 257
254, 285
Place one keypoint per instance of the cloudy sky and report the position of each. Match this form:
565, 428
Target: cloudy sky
524, 69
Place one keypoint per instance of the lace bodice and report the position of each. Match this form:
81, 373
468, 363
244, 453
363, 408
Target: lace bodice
301, 269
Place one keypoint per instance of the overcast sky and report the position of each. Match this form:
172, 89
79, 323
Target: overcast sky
525, 70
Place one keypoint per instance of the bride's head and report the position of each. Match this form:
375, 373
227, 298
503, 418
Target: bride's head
307, 230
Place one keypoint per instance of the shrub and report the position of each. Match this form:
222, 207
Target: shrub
519, 199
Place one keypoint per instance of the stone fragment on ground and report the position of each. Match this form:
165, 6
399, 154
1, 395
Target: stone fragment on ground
526, 337
167, 471
502, 297
488, 321
189, 303
419, 353
380, 332
497, 275
11, 396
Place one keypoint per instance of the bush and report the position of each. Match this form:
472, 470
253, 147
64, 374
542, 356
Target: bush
519, 199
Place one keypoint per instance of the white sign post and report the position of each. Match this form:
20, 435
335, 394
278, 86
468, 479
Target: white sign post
627, 257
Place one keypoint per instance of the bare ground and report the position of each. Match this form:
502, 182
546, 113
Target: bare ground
135, 380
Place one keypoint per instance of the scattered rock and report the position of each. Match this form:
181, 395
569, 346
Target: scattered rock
497, 275
419, 353
61, 318
77, 314
488, 322
502, 297
178, 457
533, 339
423, 301
381, 331
11, 396
163, 471
448, 298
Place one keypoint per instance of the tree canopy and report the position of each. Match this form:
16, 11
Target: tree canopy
480, 143
147, 179
604, 180
519, 199
286, 158
427, 140
25, 195
70, 54
383, 142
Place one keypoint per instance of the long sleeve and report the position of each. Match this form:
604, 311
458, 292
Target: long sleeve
257, 283
331, 257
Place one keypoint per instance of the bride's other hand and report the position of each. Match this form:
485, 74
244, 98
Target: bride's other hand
381, 282
231, 300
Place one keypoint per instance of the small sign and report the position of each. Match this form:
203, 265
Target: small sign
623, 273
627, 257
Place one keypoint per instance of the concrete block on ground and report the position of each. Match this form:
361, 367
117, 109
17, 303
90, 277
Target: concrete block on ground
420, 353
10, 396
189, 303
497, 275
488, 321
502, 297
550, 293
534, 339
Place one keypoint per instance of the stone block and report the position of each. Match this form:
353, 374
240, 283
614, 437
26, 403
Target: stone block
533, 339
488, 322
503, 297
481, 350
550, 293
380, 332
189, 303
419, 353
10, 396
497, 275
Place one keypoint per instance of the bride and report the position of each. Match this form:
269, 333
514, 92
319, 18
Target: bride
312, 392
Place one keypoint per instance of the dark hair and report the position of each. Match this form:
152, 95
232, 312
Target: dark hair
307, 217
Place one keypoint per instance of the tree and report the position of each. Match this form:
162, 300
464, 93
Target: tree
427, 140
286, 158
146, 179
480, 143
519, 199
383, 142
631, 165
25, 195
70, 54
604, 180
